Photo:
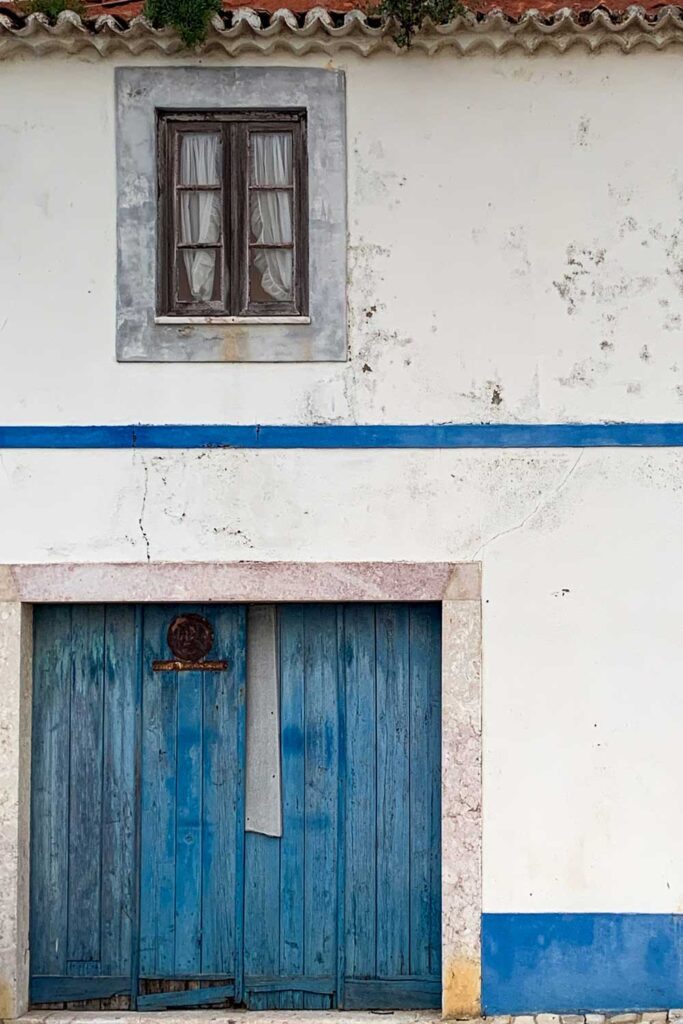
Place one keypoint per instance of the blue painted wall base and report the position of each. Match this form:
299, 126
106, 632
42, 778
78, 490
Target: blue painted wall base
575, 963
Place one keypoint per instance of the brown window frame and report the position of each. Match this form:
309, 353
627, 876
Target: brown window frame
235, 246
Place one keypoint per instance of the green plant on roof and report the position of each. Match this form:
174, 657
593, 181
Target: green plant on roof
410, 15
53, 8
190, 18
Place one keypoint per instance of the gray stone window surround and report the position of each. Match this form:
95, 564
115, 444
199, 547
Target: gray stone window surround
142, 336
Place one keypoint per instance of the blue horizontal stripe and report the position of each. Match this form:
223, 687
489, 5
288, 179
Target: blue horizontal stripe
430, 435
575, 963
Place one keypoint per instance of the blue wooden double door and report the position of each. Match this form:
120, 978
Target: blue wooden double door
146, 890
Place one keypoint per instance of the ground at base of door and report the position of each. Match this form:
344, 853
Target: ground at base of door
330, 1016
229, 1017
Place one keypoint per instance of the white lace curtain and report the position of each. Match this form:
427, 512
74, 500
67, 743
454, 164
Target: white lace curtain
200, 212
270, 212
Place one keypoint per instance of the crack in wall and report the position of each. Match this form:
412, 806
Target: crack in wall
541, 503
145, 489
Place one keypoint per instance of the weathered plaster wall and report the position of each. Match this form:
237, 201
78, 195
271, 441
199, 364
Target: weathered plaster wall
497, 270
514, 254
583, 655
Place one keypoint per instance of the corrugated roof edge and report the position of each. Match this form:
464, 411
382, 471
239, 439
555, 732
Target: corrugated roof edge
319, 30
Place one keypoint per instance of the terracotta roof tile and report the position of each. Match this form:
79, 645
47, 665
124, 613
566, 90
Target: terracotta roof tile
125, 10
492, 26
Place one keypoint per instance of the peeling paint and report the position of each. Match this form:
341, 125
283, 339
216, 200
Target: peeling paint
516, 243
583, 374
580, 263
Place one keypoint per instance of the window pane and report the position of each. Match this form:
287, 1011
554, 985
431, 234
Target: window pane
200, 216
270, 275
270, 217
200, 154
198, 276
270, 158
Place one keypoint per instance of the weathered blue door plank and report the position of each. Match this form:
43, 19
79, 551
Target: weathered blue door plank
158, 806
188, 997
119, 869
192, 791
85, 797
261, 912
361, 796
63, 988
222, 785
139, 652
425, 790
340, 987
189, 814
52, 674
321, 765
393, 790
393, 993
392, 878
239, 647
292, 728
293, 984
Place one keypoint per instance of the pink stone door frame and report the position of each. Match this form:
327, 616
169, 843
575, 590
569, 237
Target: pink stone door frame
457, 586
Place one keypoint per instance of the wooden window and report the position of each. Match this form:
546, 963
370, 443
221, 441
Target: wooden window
233, 214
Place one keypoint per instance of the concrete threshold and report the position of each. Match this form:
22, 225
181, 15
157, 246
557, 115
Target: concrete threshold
229, 1017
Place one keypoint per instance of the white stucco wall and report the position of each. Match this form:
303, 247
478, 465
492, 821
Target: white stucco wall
515, 254
511, 235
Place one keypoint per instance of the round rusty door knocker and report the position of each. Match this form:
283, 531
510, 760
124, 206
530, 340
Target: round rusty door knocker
190, 637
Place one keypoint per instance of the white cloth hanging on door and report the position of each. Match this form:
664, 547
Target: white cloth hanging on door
263, 783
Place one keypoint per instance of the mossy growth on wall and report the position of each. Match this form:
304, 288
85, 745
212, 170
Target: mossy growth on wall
190, 18
410, 15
